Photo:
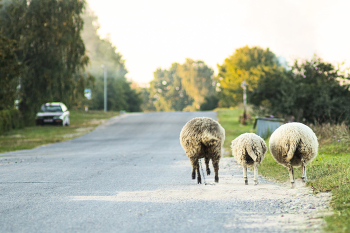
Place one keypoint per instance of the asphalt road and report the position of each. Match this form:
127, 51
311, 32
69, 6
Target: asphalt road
131, 175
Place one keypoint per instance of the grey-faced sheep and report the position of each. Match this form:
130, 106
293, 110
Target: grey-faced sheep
292, 145
203, 137
249, 150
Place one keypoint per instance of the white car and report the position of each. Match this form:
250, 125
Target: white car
53, 113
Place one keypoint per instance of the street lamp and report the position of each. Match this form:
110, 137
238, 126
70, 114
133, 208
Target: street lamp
244, 85
105, 87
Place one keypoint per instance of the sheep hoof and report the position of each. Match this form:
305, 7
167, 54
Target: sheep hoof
293, 185
246, 182
199, 181
303, 179
256, 182
208, 172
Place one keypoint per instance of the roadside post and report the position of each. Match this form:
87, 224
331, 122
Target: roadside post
105, 87
244, 86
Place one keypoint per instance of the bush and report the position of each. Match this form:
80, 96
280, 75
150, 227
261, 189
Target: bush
10, 119
310, 92
328, 133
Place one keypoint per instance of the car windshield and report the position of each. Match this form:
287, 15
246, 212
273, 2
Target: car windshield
51, 108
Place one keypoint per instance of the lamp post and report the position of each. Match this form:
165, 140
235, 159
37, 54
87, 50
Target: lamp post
244, 85
105, 87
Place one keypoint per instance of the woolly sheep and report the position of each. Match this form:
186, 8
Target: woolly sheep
203, 137
249, 150
292, 145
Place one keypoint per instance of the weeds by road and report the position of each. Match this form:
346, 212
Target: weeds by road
81, 122
329, 172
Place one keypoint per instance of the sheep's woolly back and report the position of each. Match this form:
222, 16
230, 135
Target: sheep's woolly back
248, 147
201, 131
292, 142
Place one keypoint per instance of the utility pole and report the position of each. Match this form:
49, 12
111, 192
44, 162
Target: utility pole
244, 85
105, 87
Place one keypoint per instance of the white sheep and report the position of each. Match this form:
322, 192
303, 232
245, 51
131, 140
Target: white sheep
249, 150
292, 145
203, 137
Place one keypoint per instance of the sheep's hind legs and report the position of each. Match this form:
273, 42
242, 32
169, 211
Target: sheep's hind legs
199, 179
216, 170
195, 168
207, 166
303, 171
256, 166
291, 174
245, 173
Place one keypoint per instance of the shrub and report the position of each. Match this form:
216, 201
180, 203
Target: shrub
10, 119
327, 133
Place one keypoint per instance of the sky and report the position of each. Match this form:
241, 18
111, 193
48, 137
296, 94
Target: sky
156, 33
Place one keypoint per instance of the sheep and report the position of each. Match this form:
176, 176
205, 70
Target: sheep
203, 137
293, 145
249, 150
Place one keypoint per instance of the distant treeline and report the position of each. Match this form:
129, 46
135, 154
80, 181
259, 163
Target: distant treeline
183, 87
311, 91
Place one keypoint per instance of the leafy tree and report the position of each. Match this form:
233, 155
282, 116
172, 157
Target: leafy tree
211, 102
147, 101
249, 64
274, 94
9, 71
197, 80
310, 92
50, 49
187, 86
167, 90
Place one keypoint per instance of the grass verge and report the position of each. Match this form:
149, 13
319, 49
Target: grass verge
81, 122
228, 119
328, 172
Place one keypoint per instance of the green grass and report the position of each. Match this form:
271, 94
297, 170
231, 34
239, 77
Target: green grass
81, 122
328, 172
228, 119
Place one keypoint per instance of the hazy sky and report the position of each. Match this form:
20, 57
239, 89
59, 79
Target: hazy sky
155, 33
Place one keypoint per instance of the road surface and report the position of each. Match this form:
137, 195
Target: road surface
131, 175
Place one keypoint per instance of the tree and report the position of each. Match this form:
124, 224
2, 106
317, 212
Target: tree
274, 93
167, 90
310, 92
147, 101
197, 80
249, 64
50, 49
9, 71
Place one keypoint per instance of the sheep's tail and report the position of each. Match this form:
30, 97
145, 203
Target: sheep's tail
291, 150
209, 140
251, 152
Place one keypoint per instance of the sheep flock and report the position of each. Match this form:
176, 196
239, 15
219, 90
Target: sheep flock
291, 145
